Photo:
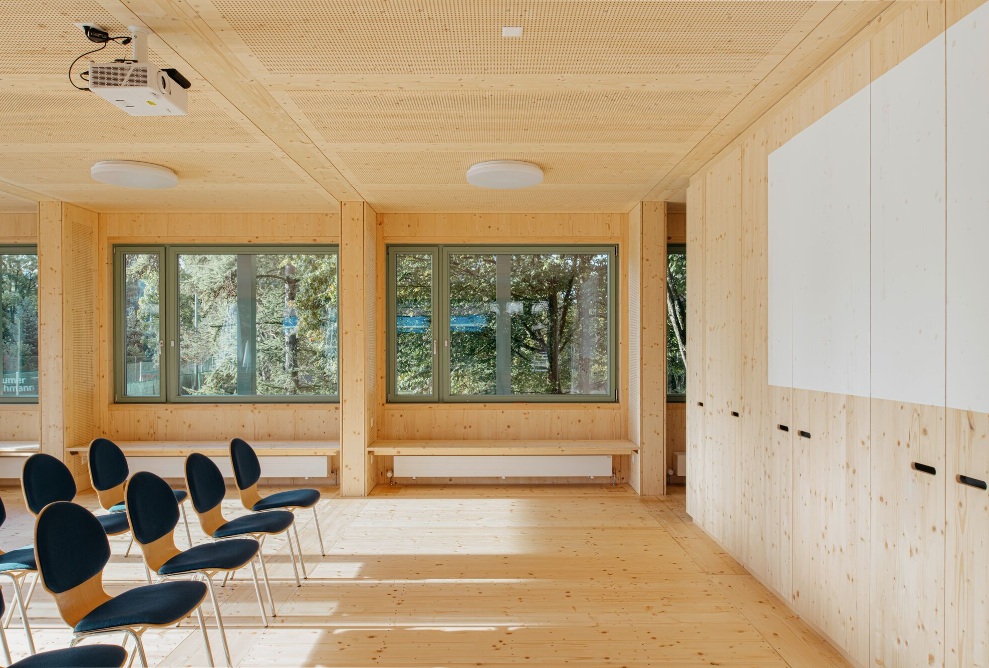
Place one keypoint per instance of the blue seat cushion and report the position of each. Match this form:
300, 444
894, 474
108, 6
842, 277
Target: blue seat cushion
275, 521
84, 656
114, 523
180, 496
223, 555
293, 498
150, 605
21, 559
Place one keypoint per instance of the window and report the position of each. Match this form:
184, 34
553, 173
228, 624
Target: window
485, 323
19, 323
219, 324
676, 323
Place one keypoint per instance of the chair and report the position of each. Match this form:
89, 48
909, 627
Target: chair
247, 473
154, 514
71, 550
90, 656
108, 471
207, 489
17, 565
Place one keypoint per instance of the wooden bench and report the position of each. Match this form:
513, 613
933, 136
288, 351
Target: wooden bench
12, 456
279, 459
502, 458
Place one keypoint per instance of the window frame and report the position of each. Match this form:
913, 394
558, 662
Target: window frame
671, 249
168, 321
441, 314
23, 249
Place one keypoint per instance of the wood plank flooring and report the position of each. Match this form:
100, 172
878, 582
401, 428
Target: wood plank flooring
478, 576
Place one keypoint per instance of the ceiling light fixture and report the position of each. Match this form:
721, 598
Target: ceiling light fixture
130, 174
504, 174
511, 31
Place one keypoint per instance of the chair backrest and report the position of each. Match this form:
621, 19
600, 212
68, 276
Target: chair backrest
3, 512
153, 513
46, 480
247, 468
108, 471
206, 489
71, 549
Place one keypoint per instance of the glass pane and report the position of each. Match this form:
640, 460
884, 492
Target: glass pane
296, 316
676, 323
142, 313
473, 323
414, 324
559, 324
19, 322
258, 325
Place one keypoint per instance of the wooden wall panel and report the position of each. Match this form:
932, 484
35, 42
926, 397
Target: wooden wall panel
634, 345
652, 323
831, 513
18, 228
697, 473
51, 276
907, 592
354, 419
430, 228
676, 435
966, 580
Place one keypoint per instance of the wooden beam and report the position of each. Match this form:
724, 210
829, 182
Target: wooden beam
50, 310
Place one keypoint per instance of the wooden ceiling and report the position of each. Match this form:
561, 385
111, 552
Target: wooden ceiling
298, 104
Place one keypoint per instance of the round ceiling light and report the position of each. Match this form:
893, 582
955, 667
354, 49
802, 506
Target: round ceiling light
504, 174
130, 174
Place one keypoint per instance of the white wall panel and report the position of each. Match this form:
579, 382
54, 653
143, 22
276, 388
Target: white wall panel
782, 210
483, 466
908, 229
967, 332
822, 194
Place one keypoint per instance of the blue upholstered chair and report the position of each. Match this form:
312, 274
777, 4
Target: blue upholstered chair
207, 489
154, 514
18, 565
108, 471
46, 480
247, 473
90, 656
72, 549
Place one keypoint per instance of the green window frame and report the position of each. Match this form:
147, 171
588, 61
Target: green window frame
676, 323
240, 324
423, 325
18, 384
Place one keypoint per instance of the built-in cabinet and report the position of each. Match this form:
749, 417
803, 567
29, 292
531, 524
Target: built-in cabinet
847, 326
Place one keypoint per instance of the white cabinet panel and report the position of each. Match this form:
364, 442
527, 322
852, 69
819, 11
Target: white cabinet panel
908, 229
821, 188
968, 213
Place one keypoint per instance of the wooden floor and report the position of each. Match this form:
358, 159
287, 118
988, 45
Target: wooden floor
481, 576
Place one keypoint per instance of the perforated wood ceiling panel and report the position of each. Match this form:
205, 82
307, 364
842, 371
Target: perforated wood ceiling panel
464, 36
298, 103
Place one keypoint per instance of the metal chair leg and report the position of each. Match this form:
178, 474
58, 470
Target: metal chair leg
322, 550
295, 530
23, 611
202, 626
257, 591
188, 532
267, 584
129, 545
291, 549
140, 645
6, 649
219, 620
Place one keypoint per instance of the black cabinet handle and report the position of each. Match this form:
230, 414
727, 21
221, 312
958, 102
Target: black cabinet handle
734, 413
924, 468
803, 434
972, 482
782, 427
701, 404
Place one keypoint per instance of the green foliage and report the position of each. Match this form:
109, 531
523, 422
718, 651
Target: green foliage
19, 324
676, 322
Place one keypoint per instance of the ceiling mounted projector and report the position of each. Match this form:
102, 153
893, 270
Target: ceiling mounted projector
130, 174
504, 174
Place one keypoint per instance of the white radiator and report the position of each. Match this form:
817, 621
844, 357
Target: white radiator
495, 466
295, 466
